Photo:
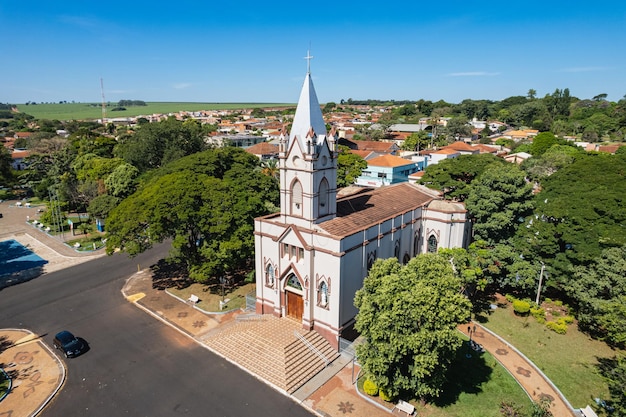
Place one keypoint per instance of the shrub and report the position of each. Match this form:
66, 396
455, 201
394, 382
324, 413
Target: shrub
383, 396
548, 300
509, 298
538, 313
558, 303
567, 319
521, 307
557, 327
370, 387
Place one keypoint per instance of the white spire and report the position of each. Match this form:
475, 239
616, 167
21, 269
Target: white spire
308, 113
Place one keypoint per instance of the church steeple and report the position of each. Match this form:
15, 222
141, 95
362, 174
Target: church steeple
308, 113
308, 163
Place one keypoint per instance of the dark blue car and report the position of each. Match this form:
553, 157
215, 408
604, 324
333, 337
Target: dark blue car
68, 343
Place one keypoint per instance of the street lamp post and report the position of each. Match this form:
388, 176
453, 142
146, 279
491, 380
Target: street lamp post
543, 266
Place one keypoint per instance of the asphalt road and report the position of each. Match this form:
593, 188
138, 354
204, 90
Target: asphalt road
136, 365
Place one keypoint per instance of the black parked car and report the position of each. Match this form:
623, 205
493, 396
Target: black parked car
69, 344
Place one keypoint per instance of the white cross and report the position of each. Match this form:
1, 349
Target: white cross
308, 57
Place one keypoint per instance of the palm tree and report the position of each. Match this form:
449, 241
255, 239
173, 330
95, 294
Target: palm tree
270, 168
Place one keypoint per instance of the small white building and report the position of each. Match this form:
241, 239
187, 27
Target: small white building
312, 256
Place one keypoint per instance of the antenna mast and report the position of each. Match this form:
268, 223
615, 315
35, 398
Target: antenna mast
104, 106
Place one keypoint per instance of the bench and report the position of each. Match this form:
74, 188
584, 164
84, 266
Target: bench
406, 407
193, 299
224, 303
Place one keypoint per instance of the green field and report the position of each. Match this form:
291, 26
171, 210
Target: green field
84, 111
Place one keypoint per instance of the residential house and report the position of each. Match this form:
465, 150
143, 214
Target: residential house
387, 170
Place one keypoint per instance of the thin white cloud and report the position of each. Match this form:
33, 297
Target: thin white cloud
583, 69
81, 21
473, 74
181, 86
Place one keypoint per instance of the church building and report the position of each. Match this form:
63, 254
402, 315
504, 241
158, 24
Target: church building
312, 256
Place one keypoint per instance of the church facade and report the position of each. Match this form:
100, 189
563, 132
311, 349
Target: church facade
313, 255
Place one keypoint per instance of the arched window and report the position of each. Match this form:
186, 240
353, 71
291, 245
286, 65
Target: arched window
296, 198
323, 197
294, 283
396, 250
416, 243
406, 259
323, 294
371, 258
432, 244
269, 275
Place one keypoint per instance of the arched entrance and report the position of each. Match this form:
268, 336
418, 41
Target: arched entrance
295, 305
294, 301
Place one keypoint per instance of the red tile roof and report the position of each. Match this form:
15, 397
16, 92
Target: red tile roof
389, 161
461, 146
263, 148
360, 211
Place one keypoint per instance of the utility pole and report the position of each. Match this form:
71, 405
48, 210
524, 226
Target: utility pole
543, 266
104, 106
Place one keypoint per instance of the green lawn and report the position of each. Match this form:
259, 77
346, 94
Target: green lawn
569, 360
83, 111
210, 296
476, 388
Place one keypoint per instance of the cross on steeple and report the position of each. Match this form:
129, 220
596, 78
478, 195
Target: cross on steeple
308, 58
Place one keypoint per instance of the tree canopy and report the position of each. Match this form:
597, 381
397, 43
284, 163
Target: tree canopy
498, 201
599, 291
206, 203
408, 315
153, 145
453, 176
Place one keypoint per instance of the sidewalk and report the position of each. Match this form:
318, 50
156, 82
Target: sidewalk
329, 394
36, 372
531, 379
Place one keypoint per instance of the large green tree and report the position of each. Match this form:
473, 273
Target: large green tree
614, 372
498, 201
349, 167
599, 291
154, 145
408, 316
578, 213
6, 173
454, 176
206, 203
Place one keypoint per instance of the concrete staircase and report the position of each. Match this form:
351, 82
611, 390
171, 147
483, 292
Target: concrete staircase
302, 362
268, 347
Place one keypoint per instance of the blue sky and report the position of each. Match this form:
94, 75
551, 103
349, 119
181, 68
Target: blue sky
207, 51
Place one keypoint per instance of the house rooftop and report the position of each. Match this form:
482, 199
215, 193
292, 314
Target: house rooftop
389, 161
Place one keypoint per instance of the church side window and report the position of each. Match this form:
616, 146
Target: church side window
323, 197
371, 258
416, 244
323, 294
300, 254
396, 250
296, 198
293, 282
432, 244
270, 275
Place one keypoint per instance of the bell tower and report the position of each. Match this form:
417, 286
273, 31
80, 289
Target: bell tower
308, 163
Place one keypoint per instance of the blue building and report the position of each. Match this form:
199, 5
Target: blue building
387, 170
